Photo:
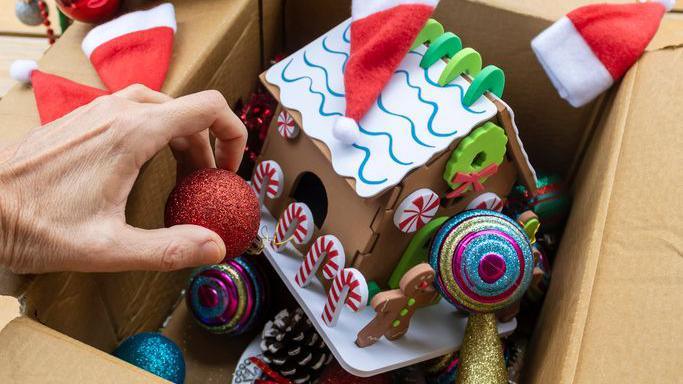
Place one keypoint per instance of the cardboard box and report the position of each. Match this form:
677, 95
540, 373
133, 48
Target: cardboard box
611, 314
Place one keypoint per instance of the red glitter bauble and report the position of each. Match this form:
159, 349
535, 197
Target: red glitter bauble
89, 11
334, 373
220, 201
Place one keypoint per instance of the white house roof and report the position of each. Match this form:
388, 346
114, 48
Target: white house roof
413, 119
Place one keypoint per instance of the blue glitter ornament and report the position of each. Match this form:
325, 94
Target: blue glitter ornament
154, 353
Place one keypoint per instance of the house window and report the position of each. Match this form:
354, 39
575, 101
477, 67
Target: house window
309, 189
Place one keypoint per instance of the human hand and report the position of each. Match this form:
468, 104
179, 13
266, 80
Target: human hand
63, 189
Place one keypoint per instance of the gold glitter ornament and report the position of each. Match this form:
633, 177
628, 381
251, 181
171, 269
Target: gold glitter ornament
481, 355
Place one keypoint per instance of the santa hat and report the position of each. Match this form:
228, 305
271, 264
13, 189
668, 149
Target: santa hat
585, 52
55, 95
134, 48
382, 32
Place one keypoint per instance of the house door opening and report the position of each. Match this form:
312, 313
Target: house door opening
309, 189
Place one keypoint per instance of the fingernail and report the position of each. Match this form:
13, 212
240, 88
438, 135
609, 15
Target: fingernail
211, 251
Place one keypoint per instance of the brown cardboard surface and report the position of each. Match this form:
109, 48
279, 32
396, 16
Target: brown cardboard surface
33, 353
209, 358
613, 310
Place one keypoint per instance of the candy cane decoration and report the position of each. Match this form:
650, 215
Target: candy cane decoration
416, 210
349, 287
488, 200
267, 180
296, 222
326, 248
286, 126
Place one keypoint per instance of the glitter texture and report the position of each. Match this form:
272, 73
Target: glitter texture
218, 200
154, 353
481, 355
238, 304
459, 248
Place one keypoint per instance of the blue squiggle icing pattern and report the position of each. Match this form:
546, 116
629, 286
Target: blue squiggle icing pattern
381, 106
361, 169
386, 152
435, 107
451, 85
391, 143
328, 49
327, 76
310, 89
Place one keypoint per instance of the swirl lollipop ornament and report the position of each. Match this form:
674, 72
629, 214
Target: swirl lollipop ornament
483, 262
227, 298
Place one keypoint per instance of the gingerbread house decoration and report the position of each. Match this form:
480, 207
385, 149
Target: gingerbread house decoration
438, 140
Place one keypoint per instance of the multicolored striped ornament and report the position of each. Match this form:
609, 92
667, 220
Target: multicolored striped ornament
227, 298
483, 260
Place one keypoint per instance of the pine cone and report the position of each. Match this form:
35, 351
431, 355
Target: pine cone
293, 348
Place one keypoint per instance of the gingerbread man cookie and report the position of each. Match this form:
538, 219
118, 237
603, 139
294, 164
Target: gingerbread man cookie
396, 307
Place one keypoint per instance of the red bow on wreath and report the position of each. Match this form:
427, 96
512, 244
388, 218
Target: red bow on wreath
471, 179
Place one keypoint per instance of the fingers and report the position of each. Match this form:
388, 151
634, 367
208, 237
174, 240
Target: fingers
190, 114
167, 249
192, 152
141, 94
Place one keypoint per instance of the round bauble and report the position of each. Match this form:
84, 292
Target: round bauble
28, 12
228, 298
89, 11
218, 200
154, 353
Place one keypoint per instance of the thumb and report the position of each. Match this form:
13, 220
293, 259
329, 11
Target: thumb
166, 249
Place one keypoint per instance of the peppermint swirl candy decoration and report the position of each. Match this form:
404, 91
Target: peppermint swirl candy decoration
227, 298
483, 260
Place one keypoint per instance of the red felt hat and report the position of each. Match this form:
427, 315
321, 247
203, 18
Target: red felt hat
55, 95
134, 48
585, 52
382, 32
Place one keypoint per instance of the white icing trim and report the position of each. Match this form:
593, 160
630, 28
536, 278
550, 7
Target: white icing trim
364, 8
159, 16
577, 74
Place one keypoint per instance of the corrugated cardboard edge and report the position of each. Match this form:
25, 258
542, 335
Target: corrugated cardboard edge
558, 350
49, 349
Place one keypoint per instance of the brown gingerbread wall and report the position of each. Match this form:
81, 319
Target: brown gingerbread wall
349, 217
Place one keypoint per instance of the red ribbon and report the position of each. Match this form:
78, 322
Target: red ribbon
272, 376
471, 179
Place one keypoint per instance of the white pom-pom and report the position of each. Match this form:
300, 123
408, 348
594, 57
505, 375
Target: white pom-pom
21, 70
668, 4
346, 130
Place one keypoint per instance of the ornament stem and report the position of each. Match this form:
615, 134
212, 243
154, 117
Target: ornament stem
481, 355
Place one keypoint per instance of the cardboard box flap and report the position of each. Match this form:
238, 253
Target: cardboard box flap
616, 297
33, 353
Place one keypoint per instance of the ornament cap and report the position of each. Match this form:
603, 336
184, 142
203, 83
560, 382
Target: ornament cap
668, 4
346, 130
21, 70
